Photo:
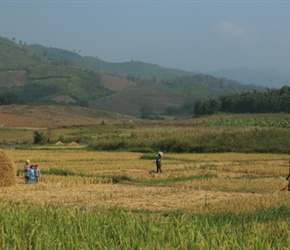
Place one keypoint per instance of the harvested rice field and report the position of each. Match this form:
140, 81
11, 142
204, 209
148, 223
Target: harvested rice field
189, 182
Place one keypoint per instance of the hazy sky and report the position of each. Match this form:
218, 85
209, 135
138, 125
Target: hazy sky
190, 35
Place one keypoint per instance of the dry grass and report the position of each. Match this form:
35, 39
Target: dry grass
29, 116
115, 83
245, 181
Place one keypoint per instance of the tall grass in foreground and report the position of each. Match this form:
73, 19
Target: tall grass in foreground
26, 226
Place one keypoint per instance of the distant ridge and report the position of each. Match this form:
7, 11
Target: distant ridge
260, 77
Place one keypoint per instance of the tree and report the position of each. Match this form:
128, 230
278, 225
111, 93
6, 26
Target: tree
39, 137
146, 112
214, 106
8, 98
198, 107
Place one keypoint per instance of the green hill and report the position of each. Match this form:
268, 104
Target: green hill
34, 78
38, 74
134, 70
202, 86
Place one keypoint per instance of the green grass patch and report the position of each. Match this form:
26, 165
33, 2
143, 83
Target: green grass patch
256, 177
182, 179
208, 166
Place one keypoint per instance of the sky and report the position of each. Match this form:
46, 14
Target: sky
198, 36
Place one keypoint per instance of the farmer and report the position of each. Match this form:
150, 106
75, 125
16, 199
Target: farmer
26, 171
287, 178
287, 188
158, 162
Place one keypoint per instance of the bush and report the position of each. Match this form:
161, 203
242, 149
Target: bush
39, 137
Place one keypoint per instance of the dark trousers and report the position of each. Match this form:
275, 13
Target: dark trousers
158, 167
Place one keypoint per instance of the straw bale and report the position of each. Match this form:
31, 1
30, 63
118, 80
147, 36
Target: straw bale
8, 170
73, 144
58, 143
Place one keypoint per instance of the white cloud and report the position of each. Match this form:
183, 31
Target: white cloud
229, 29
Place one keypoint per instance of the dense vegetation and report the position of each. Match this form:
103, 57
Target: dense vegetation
209, 140
272, 101
8, 98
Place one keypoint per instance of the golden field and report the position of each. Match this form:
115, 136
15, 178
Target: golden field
237, 182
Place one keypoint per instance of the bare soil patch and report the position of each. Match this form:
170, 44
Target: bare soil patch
115, 83
13, 78
54, 115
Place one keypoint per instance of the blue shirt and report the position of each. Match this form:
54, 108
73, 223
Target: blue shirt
158, 158
31, 173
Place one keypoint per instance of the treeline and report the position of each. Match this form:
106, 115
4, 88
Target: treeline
8, 98
271, 101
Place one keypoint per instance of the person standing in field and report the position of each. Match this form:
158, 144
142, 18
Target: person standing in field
36, 173
158, 162
26, 171
31, 174
287, 188
287, 178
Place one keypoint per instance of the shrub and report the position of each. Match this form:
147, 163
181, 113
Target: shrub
39, 137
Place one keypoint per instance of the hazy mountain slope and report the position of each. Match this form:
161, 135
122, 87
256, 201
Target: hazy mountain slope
136, 69
116, 83
132, 99
47, 75
202, 86
171, 93
260, 77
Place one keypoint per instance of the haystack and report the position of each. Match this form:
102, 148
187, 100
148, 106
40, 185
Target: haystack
75, 144
8, 170
58, 143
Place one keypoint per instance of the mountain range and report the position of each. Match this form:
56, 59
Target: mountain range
43, 75
270, 78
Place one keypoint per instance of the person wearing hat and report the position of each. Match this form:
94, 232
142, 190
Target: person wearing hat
158, 163
26, 171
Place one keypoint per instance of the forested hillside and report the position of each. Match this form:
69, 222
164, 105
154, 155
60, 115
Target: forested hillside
134, 70
31, 78
37, 74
